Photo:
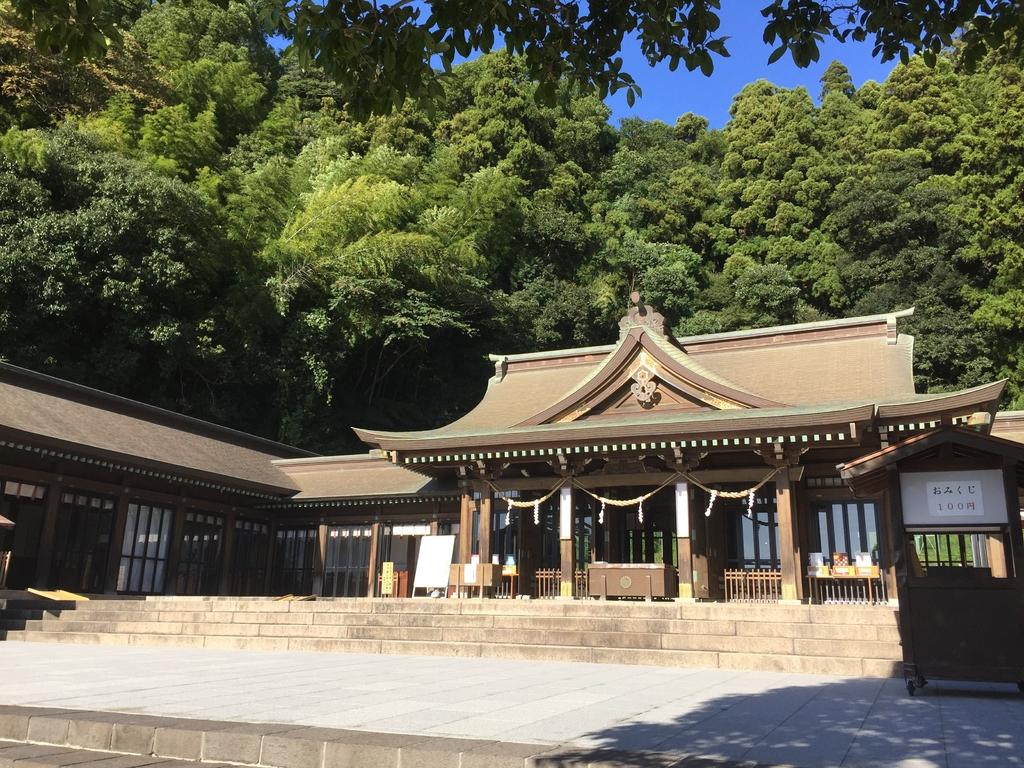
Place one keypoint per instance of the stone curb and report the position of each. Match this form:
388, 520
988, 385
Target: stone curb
38, 737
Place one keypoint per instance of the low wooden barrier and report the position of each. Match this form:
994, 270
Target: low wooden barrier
864, 590
580, 585
547, 584
758, 586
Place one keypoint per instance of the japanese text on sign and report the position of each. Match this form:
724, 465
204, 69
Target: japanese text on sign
387, 579
956, 498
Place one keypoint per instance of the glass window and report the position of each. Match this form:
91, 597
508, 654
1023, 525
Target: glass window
754, 538
82, 542
295, 551
943, 549
846, 529
147, 531
199, 559
248, 569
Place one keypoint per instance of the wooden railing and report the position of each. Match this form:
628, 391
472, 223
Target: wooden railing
759, 586
580, 585
5, 564
547, 584
849, 591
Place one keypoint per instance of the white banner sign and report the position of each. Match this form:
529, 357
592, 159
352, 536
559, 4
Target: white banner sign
971, 497
433, 562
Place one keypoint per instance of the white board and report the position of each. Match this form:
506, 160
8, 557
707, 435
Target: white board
957, 498
433, 562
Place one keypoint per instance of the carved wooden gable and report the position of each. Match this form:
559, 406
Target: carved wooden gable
647, 374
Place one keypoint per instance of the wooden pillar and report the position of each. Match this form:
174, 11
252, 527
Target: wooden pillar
44, 563
466, 525
898, 548
1014, 554
319, 559
565, 526
887, 549
116, 542
701, 583
373, 567
529, 549
486, 523
173, 556
227, 555
268, 576
789, 555
683, 552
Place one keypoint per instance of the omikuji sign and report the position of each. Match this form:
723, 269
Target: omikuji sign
961, 497
974, 497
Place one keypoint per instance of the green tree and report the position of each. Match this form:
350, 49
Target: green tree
383, 53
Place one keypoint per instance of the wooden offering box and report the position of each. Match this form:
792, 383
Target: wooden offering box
486, 576
636, 580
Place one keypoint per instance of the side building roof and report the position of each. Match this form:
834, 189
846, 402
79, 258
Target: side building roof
1009, 425
63, 417
358, 476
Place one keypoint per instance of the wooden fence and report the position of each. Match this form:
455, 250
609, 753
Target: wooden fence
760, 586
849, 591
547, 584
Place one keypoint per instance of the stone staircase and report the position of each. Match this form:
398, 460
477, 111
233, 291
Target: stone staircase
860, 641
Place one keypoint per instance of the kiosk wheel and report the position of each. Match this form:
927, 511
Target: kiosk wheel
915, 683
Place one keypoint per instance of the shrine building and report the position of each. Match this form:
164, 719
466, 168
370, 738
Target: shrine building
711, 468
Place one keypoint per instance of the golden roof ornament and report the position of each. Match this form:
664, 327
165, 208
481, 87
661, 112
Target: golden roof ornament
641, 315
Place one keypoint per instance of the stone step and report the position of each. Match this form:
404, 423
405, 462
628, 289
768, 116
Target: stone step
874, 615
254, 623
14, 754
811, 659
539, 609
259, 623
32, 737
852, 643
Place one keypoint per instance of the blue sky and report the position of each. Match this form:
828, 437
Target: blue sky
666, 95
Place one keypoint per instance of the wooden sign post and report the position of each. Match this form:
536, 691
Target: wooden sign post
387, 579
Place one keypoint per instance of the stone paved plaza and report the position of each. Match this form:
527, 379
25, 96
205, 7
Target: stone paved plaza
766, 718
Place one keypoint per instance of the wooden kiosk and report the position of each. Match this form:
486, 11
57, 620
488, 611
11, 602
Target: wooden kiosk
958, 552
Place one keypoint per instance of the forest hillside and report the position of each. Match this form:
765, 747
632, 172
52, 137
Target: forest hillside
197, 223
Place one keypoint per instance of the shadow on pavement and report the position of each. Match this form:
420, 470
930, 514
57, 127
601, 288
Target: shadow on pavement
853, 723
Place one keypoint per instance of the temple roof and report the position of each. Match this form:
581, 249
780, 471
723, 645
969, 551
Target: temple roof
1009, 425
650, 384
363, 476
43, 410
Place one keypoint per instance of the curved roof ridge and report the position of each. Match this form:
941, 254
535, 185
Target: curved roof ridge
889, 318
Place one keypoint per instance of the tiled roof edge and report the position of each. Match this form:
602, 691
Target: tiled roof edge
889, 318
842, 322
236, 435
552, 354
346, 458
